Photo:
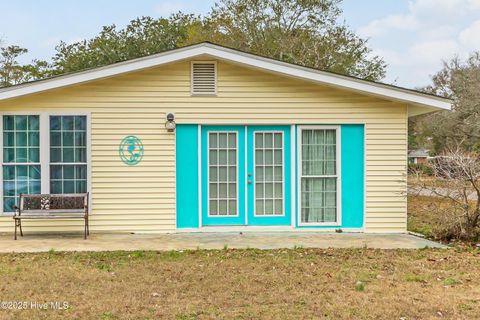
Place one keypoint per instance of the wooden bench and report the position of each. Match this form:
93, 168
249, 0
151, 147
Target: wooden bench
51, 206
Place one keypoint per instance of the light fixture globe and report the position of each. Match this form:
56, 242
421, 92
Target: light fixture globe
170, 123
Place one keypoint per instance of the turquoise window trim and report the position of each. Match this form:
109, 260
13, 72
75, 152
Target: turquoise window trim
269, 220
187, 176
240, 219
352, 178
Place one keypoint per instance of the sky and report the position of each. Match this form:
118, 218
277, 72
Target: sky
413, 36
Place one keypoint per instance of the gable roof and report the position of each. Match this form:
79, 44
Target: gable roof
426, 102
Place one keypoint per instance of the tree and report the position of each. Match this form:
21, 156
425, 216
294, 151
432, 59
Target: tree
12, 72
456, 181
304, 32
143, 36
460, 81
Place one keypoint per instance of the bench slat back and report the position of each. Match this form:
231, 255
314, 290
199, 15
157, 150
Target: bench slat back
53, 203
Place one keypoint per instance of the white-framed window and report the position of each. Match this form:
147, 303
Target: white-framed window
21, 158
269, 168
43, 153
222, 173
319, 175
68, 154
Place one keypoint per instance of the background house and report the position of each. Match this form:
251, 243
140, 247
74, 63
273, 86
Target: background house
419, 156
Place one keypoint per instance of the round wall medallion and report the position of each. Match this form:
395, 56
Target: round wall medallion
131, 150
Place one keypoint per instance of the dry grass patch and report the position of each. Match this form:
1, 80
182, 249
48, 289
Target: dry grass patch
421, 219
246, 284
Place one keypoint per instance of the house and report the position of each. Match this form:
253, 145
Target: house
419, 156
209, 138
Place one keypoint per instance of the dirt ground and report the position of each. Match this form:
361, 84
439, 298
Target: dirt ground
244, 284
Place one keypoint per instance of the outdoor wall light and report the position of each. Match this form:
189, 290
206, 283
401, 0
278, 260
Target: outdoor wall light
170, 123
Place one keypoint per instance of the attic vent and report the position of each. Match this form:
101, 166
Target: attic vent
204, 78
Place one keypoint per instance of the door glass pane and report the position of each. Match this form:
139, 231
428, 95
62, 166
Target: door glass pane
319, 180
222, 173
268, 173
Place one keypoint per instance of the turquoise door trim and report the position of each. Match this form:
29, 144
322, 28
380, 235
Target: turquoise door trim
285, 219
187, 175
353, 178
240, 218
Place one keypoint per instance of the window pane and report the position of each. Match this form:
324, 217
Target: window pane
68, 172
68, 178
213, 207
318, 152
8, 122
259, 209
55, 139
55, 123
268, 140
67, 123
21, 122
222, 140
258, 140
319, 200
9, 139
55, 155
34, 155
81, 186
80, 123
213, 190
33, 123
68, 187
56, 187
232, 140
80, 155
67, 138
34, 139
68, 155
8, 155
278, 140
19, 179
212, 140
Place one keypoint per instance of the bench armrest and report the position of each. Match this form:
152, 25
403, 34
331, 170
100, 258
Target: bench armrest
17, 210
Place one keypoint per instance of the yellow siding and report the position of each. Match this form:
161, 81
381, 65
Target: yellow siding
142, 198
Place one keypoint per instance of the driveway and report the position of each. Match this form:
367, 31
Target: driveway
185, 241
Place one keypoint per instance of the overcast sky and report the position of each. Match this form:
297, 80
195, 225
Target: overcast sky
413, 36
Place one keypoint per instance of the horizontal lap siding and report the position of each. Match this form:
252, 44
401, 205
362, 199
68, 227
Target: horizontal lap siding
142, 198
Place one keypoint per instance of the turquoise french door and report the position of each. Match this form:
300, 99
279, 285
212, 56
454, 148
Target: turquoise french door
246, 175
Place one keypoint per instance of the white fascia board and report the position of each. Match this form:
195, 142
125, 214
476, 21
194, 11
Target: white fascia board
348, 83
101, 72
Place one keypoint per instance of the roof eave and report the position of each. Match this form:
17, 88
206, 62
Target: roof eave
339, 81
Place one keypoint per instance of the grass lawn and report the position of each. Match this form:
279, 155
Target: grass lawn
246, 284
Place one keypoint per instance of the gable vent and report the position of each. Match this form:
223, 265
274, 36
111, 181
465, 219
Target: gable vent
204, 78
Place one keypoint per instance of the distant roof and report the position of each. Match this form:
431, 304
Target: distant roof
419, 153
411, 97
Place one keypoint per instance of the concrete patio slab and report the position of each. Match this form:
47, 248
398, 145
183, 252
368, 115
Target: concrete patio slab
184, 241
